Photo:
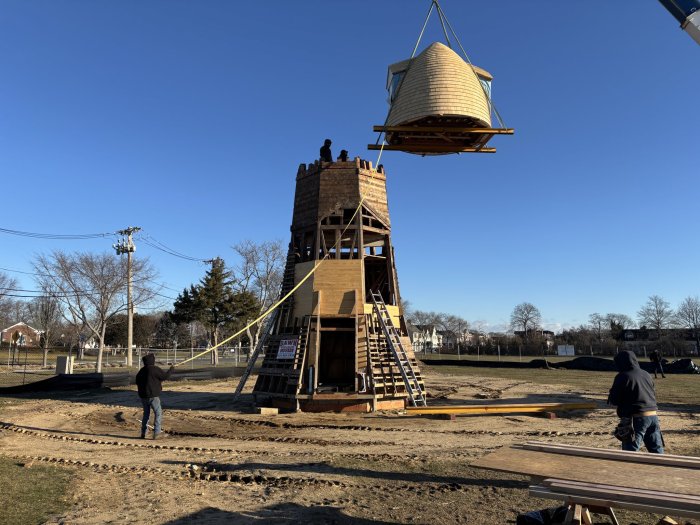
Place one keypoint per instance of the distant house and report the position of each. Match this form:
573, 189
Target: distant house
21, 333
424, 337
450, 339
649, 334
464, 339
547, 335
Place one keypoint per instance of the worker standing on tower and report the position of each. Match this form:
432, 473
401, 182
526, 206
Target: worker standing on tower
326, 155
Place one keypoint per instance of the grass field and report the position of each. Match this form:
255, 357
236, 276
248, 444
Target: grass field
29, 495
677, 389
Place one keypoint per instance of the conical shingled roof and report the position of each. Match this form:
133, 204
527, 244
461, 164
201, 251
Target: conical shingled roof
439, 83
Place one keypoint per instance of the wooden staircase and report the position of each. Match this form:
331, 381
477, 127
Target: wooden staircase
394, 372
283, 377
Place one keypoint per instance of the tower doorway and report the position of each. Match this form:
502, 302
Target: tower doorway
336, 361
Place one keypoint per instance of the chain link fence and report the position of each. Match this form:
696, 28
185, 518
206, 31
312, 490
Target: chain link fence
23, 365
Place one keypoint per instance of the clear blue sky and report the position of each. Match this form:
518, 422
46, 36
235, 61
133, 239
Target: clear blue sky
190, 119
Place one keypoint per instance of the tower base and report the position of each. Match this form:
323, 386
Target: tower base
336, 403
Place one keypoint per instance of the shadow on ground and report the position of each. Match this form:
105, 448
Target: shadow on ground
216, 401
477, 475
282, 513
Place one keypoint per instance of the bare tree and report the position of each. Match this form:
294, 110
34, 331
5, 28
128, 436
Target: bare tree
525, 316
618, 324
599, 324
688, 315
8, 287
260, 273
656, 314
420, 317
45, 314
92, 288
453, 326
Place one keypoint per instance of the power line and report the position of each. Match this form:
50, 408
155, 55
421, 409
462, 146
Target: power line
60, 236
45, 293
161, 285
154, 243
26, 273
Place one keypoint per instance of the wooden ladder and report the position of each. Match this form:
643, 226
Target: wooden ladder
413, 387
302, 346
287, 307
271, 321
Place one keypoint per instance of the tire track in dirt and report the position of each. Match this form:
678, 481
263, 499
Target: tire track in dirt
283, 439
195, 472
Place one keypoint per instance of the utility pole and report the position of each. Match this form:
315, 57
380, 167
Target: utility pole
127, 246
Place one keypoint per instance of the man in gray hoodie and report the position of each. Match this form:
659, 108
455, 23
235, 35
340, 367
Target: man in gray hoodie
633, 394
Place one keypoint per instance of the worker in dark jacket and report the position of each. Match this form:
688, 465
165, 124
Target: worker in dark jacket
655, 357
326, 155
149, 382
633, 394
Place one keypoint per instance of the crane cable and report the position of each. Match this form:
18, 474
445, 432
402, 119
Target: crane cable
408, 66
296, 287
466, 56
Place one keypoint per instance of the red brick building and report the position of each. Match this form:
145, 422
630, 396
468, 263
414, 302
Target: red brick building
12, 334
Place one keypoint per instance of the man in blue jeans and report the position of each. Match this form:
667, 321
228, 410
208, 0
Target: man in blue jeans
149, 382
633, 394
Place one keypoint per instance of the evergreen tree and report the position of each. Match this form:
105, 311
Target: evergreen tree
216, 304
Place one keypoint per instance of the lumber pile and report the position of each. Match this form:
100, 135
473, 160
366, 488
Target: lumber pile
499, 408
594, 480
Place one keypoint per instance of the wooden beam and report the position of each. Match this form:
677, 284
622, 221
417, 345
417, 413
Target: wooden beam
501, 408
648, 497
622, 455
414, 148
444, 129
610, 502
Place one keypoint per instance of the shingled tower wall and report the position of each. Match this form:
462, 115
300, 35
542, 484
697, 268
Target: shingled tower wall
325, 350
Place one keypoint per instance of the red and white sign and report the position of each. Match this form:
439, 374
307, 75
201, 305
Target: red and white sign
287, 349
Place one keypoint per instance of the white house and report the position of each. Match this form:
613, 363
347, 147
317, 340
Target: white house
424, 338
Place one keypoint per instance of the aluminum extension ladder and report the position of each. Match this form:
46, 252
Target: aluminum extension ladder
415, 393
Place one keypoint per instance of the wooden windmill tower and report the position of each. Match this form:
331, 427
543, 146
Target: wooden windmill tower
340, 341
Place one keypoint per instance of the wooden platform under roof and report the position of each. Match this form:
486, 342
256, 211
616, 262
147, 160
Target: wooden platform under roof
441, 138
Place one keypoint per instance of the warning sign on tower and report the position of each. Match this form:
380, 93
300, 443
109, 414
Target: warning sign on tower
287, 349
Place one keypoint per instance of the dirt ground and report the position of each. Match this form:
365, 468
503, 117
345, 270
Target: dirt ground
222, 464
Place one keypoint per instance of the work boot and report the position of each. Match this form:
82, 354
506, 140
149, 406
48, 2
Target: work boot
159, 435
143, 436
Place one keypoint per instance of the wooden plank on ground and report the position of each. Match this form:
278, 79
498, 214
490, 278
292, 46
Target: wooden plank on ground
500, 408
593, 470
621, 455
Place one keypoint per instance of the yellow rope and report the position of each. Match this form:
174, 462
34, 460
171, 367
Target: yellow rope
288, 294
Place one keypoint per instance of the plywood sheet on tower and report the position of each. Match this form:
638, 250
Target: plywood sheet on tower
338, 280
393, 312
303, 297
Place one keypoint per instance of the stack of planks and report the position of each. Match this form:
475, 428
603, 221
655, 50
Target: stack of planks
594, 480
